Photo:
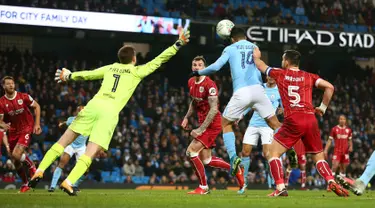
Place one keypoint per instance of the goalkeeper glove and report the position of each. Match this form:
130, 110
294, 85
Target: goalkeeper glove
183, 39
62, 75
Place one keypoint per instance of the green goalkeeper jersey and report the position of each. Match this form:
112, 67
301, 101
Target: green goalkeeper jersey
120, 80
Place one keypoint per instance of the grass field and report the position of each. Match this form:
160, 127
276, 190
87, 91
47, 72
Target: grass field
217, 199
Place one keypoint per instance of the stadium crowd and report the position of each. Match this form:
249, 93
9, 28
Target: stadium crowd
348, 15
149, 145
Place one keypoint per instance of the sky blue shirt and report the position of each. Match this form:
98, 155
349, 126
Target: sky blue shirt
81, 140
273, 94
243, 70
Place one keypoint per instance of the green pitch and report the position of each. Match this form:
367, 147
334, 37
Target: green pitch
150, 199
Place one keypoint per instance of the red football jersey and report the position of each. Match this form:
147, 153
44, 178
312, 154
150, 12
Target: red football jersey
341, 137
200, 91
16, 112
295, 87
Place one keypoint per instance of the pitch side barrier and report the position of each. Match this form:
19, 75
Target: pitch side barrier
91, 185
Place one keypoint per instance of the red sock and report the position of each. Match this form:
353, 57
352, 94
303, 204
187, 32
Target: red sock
287, 176
303, 178
324, 170
276, 169
199, 170
30, 164
217, 162
22, 173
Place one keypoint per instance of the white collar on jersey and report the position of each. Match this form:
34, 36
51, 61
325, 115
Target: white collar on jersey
15, 95
341, 127
200, 81
294, 69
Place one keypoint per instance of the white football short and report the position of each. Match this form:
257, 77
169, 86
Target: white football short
75, 151
253, 96
252, 135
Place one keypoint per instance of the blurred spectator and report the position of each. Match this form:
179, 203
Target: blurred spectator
129, 168
300, 10
220, 11
138, 169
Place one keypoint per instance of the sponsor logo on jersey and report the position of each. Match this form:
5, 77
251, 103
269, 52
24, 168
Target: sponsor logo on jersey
212, 91
347, 131
197, 99
20, 102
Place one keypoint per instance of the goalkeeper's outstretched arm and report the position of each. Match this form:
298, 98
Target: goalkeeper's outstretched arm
64, 74
145, 70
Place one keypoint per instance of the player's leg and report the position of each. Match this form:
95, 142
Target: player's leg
192, 152
288, 171
313, 144
52, 154
64, 159
19, 153
359, 186
335, 164
78, 153
101, 132
344, 164
235, 109
251, 138
302, 167
81, 167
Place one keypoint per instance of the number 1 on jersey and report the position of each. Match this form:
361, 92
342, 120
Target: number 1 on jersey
249, 59
117, 79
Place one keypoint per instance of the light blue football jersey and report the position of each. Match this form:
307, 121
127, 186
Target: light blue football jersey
81, 140
243, 70
274, 96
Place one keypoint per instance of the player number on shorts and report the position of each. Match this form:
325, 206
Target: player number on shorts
117, 78
248, 58
296, 98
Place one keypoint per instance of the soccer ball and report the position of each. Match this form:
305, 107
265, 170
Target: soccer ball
223, 28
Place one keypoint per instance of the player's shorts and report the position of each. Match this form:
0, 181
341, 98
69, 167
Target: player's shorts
341, 158
252, 135
208, 137
22, 139
97, 121
300, 126
70, 150
252, 96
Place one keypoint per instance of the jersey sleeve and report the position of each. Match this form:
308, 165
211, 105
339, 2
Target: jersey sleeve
90, 74
69, 121
332, 134
315, 79
144, 70
27, 99
350, 134
274, 72
211, 89
219, 63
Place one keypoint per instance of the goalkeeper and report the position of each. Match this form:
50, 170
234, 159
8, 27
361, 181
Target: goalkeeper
100, 116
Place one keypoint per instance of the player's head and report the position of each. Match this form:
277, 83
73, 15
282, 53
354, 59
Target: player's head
342, 120
291, 58
127, 55
198, 63
237, 34
271, 80
8, 84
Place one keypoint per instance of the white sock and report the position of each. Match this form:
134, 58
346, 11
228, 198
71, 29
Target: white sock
280, 186
203, 187
342, 174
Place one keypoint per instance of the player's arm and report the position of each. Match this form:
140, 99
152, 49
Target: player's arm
327, 96
263, 67
190, 112
144, 70
329, 143
63, 75
219, 63
6, 144
213, 103
350, 142
36, 107
3, 125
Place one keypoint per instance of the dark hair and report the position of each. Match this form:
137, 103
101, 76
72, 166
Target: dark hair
237, 33
200, 58
292, 56
125, 54
6, 78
